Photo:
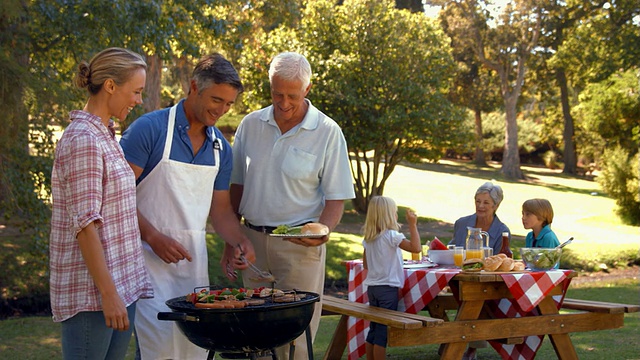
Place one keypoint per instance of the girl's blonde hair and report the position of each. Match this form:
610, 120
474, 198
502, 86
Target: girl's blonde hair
381, 215
541, 208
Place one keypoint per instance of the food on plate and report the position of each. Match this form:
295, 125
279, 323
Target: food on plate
282, 229
314, 229
492, 263
518, 266
502, 263
506, 265
472, 265
436, 244
306, 229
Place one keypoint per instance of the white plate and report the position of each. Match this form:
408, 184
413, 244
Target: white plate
423, 265
310, 236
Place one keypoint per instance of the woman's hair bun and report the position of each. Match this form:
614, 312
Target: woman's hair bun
83, 77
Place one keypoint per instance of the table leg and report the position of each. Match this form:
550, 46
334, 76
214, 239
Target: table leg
561, 342
469, 310
339, 341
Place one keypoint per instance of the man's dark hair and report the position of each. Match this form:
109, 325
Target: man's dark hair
214, 68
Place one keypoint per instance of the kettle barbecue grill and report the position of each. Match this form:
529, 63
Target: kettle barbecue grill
249, 332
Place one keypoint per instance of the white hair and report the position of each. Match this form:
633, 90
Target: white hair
494, 191
291, 66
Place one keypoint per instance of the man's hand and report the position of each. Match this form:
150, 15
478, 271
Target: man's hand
168, 249
230, 261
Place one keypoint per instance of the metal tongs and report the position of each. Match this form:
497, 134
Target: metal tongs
262, 275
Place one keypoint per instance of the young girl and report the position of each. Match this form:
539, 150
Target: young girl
383, 260
537, 215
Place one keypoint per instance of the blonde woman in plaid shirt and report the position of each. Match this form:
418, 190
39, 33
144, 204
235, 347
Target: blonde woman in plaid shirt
97, 268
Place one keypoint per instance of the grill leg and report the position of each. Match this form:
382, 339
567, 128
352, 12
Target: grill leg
292, 350
309, 344
211, 355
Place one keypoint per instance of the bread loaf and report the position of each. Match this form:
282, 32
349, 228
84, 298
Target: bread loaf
507, 265
314, 229
518, 266
492, 263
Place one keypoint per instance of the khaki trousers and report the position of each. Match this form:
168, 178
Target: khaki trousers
295, 267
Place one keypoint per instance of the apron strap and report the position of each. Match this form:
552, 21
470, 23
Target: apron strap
217, 146
170, 125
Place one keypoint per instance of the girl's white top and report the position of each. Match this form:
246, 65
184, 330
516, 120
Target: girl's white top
384, 259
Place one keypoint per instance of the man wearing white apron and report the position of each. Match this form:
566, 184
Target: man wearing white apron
183, 164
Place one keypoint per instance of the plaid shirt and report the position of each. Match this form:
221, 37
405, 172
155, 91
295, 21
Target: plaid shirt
92, 182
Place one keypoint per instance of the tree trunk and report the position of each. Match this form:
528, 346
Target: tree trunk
154, 83
478, 157
183, 73
511, 156
569, 154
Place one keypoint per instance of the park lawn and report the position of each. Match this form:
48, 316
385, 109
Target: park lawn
37, 337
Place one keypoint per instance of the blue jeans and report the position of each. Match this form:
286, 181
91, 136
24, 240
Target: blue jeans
86, 336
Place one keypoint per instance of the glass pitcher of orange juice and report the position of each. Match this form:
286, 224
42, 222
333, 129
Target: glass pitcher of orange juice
476, 240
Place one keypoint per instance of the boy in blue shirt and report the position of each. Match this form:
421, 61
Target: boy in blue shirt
537, 215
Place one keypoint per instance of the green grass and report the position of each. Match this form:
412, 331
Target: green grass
39, 338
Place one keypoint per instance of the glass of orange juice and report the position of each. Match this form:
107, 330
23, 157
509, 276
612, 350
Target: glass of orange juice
416, 256
475, 254
458, 256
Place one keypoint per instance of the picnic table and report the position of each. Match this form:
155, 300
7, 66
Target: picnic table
512, 311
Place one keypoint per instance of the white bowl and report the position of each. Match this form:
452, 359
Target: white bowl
441, 257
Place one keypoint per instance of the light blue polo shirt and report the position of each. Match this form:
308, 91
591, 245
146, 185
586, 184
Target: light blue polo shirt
287, 177
143, 144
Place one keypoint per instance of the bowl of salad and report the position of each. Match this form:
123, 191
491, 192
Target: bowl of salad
541, 259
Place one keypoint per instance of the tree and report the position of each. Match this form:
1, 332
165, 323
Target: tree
381, 73
505, 49
611, 109
41, 43
579, 34
384, 78
475, 86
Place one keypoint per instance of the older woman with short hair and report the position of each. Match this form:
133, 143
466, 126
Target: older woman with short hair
487, 199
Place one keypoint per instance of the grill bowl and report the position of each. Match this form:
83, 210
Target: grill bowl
249, 329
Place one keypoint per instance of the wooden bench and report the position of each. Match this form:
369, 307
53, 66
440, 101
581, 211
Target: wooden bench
599, 306
394, 319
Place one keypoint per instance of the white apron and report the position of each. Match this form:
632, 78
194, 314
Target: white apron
175, 197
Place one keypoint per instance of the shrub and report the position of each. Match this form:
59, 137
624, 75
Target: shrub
550, 159
619, 179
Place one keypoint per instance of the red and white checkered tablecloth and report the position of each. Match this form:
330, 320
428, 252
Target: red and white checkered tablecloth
528, 290
423, 285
